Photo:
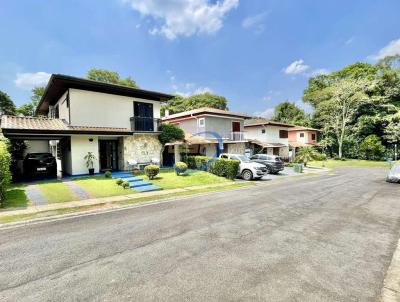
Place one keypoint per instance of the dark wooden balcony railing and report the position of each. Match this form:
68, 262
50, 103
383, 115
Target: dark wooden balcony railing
145, 124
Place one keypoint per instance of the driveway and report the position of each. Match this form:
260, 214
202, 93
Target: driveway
327, 238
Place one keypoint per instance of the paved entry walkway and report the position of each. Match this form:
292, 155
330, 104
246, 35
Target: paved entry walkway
77, 190
35, 196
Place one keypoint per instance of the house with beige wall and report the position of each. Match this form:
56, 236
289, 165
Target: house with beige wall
268, 137
118, 124
208, 131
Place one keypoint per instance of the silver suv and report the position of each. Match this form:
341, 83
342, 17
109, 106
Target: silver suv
248, 170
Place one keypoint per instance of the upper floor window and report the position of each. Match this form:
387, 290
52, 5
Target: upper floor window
313, 136
143, 117
263, 131
201, 122
301, 134
53, 112
283, 134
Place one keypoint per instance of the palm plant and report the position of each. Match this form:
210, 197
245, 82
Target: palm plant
90, 158
306, 154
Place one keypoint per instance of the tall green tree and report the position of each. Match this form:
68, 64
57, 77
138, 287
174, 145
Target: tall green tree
287, 112
180, 104
29, 109
382, 81
108, 76
7, 106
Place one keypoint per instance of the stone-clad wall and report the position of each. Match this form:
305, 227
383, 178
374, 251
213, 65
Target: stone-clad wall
140, 147
237, 148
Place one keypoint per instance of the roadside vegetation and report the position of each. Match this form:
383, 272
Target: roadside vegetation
187, 192
332, 163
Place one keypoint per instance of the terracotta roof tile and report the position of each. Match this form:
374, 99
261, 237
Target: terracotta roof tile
43, 123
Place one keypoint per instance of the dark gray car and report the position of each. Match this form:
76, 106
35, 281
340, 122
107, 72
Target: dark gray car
273, 163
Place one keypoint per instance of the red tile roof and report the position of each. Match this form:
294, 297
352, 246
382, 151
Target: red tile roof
44, 124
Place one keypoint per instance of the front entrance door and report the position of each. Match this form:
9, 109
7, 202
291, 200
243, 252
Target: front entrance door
108, 154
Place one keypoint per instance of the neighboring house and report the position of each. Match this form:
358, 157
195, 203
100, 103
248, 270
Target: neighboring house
300, 136
116, 123
268, 137
208, 131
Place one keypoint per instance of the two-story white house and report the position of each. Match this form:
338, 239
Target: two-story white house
268, 137
208, 131
76, 116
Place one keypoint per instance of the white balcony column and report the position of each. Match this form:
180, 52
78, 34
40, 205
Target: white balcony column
177, 153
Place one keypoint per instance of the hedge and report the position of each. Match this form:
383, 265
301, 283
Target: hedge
5, 174
225, 167
220, 166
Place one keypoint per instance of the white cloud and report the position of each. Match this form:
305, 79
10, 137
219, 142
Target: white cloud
320, 71
30, 80
296, 67
392, 49
184, 17
255, 22
267, 113
349, 41
199, 90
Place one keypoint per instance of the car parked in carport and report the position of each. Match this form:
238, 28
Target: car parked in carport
273, 163
39, 165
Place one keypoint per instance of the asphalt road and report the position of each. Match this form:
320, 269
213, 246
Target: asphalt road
327, 238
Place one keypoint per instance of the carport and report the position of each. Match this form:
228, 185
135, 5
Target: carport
56, 137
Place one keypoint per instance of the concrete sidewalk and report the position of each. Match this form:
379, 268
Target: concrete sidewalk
103, 200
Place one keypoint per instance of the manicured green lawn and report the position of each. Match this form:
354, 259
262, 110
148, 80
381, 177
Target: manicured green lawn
99, 186
16, 197
331, 163
57, 191
167, 179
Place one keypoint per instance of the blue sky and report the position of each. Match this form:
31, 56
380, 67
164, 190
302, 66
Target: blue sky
256, 53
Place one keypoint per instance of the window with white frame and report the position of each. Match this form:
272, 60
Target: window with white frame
201, 122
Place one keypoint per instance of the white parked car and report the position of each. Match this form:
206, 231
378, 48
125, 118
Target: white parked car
248, 170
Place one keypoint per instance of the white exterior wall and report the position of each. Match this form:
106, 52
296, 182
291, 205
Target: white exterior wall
63, 109
89, 108
271, 134
302, 139
80, 146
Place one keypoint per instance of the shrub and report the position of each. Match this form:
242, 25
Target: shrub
320, 156
225, 167
107, 174
125, 185
180, 167
201, 162
5, 174
119, 181
151, 171
371, 148
190, 161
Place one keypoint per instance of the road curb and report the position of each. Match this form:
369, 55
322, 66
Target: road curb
391, 284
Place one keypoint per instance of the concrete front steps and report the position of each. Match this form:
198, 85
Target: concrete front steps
136, 183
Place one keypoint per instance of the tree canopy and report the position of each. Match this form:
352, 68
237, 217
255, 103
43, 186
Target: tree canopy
179, 103
289, 113
28, 109
108, 76
357, 101
7, 106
